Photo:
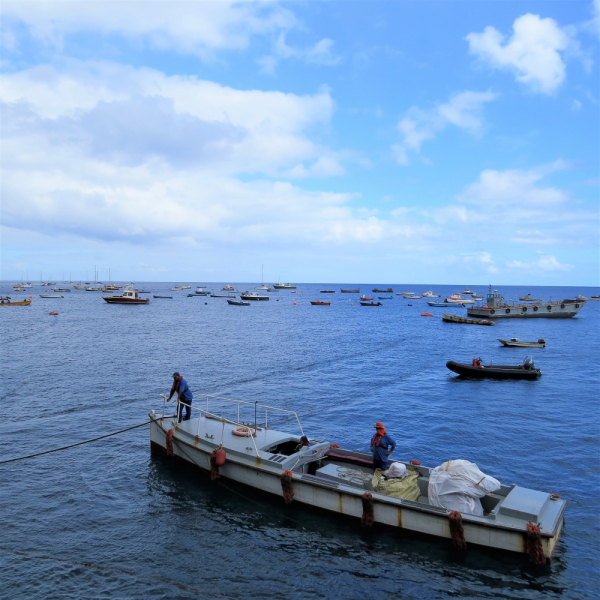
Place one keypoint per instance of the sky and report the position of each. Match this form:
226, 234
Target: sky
321, 141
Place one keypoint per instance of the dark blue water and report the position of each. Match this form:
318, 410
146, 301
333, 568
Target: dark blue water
106, 520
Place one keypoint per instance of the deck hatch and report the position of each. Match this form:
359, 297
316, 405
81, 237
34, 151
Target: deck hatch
522, 503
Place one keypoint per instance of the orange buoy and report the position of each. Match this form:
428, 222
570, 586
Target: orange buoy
244, 432
220, 457
294, 303
426, 314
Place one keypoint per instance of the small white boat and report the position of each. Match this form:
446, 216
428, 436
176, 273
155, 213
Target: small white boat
457, 299
317, 473
468, 292
93, 289
430, 294
264, 288
61, 289
515, 343
284, 286
51, 296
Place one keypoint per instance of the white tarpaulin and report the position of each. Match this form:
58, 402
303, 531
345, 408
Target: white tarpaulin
458, 485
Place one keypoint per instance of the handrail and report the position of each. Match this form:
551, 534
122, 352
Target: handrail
238, 422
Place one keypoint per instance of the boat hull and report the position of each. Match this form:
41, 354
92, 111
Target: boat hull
127, 300
472, 372
24, 303
511, 344
544, 310
325, 495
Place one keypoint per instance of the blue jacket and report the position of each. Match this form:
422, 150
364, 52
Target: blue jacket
182, 387
386, 444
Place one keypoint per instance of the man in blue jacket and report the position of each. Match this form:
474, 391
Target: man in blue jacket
184, 397
382, 445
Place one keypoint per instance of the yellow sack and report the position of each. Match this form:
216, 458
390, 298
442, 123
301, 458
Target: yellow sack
406, 488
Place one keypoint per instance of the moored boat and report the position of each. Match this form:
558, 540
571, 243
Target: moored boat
300, 470
237, 302
516, 343
385, 297
252, 296
378, 291
350, 291
319, 303
327, 292
458, 319
497, 308
51, 296
371, 304
458, 299
363, 297
444, 304
430, 294
9, 302
130, 296
162, 296
284, 286
476, 370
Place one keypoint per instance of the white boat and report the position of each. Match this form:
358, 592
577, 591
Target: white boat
515, 343
51, 296
93, 289
61, 289
79, 286
284, 286
468, 292
457, 299
430, 294
322, 475
264, 288
252, 296
411, 296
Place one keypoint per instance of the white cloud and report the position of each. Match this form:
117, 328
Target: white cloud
319, 54
533, 52
514, 187
462, 110
198, 28
545, 263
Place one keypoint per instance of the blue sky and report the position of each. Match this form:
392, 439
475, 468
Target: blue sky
408, 142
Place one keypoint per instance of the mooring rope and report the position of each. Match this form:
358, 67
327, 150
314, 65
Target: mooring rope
3, 462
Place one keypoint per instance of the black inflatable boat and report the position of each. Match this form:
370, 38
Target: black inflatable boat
525, 371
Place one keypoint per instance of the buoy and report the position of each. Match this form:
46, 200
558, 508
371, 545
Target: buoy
244, 432
52, 313
426, 314
294, 303
220, 457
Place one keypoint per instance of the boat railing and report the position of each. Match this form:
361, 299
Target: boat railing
238, 404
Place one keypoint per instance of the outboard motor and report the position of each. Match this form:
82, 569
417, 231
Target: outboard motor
528, 363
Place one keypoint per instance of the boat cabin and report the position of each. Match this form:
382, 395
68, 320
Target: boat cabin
494, 299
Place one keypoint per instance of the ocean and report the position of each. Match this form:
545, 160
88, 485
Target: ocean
108, 520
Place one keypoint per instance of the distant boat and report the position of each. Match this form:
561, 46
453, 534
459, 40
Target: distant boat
350, 291
457, 299
388, 291
252, 296
444, 304
327, 292
51, 296
515, 343
385, 297
228, 288
430, 294
161, 296
238, 303
468, 292
528, 298
363, 297
220, 295
456, 319
93, 289
61, 289
319, 303
371, 304
284, 286
16, 303
130, 296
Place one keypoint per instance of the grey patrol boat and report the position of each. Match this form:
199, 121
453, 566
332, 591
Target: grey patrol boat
496, 307
338, 480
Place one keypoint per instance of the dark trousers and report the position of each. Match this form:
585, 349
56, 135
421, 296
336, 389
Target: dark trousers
187, 405
379, 464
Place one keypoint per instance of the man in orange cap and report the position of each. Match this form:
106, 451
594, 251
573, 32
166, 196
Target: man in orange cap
382, 445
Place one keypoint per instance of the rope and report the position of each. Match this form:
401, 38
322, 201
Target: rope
3, 462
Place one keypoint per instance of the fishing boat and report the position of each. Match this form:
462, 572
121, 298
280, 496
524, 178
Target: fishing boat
516, 343
497, 308
284, 286
8, 302
378, 291
385, 297
162, 296
468, 292
457, 319
319, 303
350, 291
444, 304
371, 304
528, 298
51, 296
526, 370
237, 441
200, 291
238, 302
363, 297
252, 296
430, 294
227, 288
130, 296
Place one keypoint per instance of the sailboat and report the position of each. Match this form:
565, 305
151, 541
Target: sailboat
262, 286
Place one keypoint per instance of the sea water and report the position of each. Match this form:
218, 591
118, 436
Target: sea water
107, 520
